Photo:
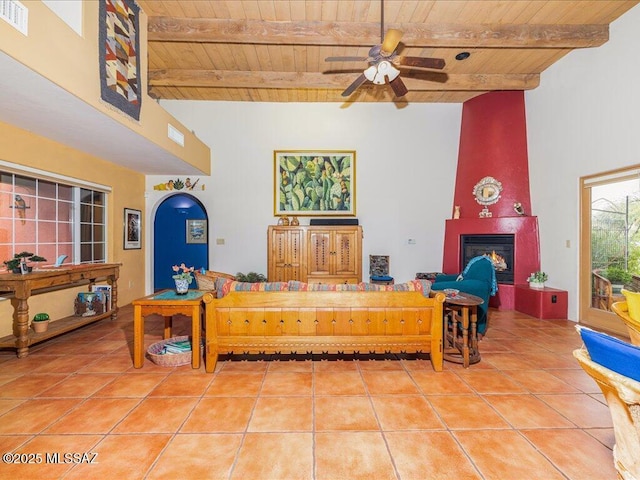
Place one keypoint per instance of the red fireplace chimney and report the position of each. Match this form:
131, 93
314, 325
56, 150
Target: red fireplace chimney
493, 143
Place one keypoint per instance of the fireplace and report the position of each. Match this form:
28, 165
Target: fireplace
498, 247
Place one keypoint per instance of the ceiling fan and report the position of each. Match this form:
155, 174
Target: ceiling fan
383, 60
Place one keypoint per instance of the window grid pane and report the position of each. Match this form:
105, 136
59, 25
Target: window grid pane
40, 219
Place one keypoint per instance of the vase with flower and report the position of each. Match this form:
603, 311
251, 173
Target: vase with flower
183, 278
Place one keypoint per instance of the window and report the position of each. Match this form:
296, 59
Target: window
610, 249
50, 219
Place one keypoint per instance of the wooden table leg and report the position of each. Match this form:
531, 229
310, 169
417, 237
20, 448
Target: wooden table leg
138, 337
475, 351
465, 336
21, 327
168, 325
195, 335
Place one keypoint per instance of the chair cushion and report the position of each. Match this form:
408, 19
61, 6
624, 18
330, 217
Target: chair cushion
612, 353
633, 303
381, 278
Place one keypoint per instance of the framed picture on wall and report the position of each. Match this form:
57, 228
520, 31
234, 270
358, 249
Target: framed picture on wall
196, 231
314, 182
132, 229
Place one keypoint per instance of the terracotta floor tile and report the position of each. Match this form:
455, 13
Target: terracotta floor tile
505, 455
577, 378
236, 366
405, 413
526, 411
587, 457
7, 404
30, 385
157, 415
286, 383
51, 449
379, 365
235, 384
540, 381
466, 411
65, 364
389, 383
122, 456
432, 455
353, 456
604, 435
344, 413
204, 456
338, 383
584, 411
282, 414
335, 366
290, 366
79, 385
507, 361
180, 385
490, 382
220, 414
108, 364
33, 416
132, 385
440, 383
95, 415
275, 456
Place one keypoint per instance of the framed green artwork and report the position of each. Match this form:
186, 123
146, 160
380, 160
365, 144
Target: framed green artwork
314, 182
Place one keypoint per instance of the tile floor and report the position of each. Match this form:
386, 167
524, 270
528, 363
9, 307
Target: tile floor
526, 411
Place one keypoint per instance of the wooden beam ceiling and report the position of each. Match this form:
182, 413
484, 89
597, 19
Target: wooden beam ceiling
210, 30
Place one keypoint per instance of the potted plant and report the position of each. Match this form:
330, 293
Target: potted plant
40, 322
182, 277
18, 264
251, 277
619, 277
537, 279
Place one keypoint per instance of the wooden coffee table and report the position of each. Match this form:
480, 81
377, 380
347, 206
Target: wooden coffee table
464, 313
168, 303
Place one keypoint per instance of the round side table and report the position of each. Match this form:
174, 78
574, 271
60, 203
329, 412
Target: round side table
464, 314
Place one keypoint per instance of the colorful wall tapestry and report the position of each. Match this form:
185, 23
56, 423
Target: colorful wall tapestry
119, 47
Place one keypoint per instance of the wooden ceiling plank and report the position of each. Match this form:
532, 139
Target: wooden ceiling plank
288, 80
170, 29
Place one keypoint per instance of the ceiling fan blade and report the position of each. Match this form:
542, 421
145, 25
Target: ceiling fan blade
398, 86
391, 41
356, 83
422, 62
345, 59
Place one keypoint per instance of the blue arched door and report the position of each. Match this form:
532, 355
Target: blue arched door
175, 217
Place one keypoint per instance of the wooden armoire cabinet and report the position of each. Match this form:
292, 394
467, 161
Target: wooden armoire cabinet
315, 254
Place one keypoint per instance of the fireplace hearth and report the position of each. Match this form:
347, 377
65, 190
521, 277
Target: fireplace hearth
498, 247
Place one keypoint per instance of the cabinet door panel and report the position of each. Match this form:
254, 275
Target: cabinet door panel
346, 253
320, 254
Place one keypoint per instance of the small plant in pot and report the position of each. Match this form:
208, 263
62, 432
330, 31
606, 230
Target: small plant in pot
537, 279
251, 277
619, 277
18, 264
40, 322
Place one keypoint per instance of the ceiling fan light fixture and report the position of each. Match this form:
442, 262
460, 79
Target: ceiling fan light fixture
370, 72
390, 42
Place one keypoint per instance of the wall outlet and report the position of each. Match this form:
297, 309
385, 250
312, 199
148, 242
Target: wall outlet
219, 241
411, 241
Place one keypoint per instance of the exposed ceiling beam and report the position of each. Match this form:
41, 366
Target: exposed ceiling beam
207, 30
308, 80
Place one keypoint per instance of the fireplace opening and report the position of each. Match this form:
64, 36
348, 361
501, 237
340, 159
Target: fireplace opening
498, 247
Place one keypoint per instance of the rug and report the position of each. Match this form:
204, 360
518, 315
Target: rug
119, 50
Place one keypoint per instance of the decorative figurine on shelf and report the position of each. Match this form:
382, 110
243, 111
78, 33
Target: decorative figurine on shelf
294, 221
485, 213
519, 209
456, 212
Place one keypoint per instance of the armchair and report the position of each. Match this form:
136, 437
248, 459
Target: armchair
633, 326
611, 362
478, 278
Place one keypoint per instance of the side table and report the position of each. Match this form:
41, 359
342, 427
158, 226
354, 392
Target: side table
167, 303
464, 313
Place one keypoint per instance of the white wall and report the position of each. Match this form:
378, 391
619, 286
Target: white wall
405, 171
583, 119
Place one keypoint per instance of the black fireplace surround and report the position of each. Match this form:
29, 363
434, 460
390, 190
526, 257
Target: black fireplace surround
475, 245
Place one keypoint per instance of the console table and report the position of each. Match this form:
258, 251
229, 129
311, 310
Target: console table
45, 280
544, 303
